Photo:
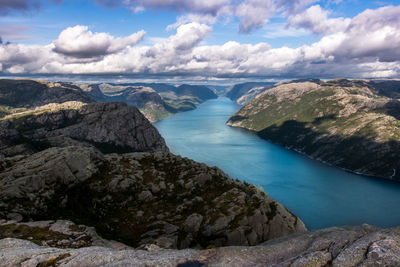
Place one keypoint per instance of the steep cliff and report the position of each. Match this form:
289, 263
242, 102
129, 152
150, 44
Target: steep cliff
22, 94
245, 92
141, 198
349, 124
157, 100
110, 127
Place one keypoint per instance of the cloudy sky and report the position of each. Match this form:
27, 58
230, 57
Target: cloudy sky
218, 39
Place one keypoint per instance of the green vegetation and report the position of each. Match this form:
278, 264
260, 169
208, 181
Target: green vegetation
53, 261
37, 235
346, 123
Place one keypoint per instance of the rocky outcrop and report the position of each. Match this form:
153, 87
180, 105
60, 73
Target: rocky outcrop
148, 101
352, 124
244, 92
338, 246
156, 100
110, 127
30, 93
141, 198
59, 234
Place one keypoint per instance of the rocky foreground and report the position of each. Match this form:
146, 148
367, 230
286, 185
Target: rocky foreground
352, 124
141, 198
338, 246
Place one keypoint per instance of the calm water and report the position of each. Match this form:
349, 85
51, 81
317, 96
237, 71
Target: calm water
320, 195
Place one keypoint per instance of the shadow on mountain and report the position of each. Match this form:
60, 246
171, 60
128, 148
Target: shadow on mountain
356, 153
393, 109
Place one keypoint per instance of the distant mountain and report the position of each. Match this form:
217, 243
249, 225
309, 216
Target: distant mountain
155, 100
24, 93
245, 92
352, 124
219, 89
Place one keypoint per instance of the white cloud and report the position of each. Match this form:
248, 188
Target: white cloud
316, 20
79, 42
367, 47
253, 14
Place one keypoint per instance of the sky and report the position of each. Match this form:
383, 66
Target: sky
200, 39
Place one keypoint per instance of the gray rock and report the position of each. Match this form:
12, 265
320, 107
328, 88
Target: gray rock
113, 193
193, 222
110, 127
337, 246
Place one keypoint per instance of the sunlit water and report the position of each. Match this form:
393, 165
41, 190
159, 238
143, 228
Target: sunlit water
320, 195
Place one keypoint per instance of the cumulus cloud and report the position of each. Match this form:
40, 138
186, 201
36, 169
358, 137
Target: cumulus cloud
253, 14
366, 47
316, 20
79, 42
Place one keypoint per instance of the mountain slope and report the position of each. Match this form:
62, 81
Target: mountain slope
75, 160
110, 127
244, 92
21, 94
141, 198
157, 100
349, 124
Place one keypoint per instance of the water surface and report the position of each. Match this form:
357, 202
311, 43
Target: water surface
320, 195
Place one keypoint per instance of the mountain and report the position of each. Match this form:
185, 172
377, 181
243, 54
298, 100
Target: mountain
106, 166
110, 127
141, 198
21, 94
148, 101
155, 100
352, 124
245, 92
219, 89
58, 201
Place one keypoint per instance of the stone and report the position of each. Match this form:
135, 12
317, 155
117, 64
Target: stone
336, 246
73, 181
110, 127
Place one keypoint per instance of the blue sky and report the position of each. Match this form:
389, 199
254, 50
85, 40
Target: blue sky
295, 33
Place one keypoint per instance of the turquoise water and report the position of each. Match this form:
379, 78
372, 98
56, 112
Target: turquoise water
320, 195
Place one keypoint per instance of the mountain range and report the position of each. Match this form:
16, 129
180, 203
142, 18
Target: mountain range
351, 124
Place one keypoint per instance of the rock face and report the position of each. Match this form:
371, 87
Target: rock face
244, 92
141, 198
59, 234
350, 124
155, 100
30, 93
339, 246
110, 127
148, 101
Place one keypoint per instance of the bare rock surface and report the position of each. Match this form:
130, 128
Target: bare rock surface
110, 127
141, 198
31, 93
60, 234
338, 246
